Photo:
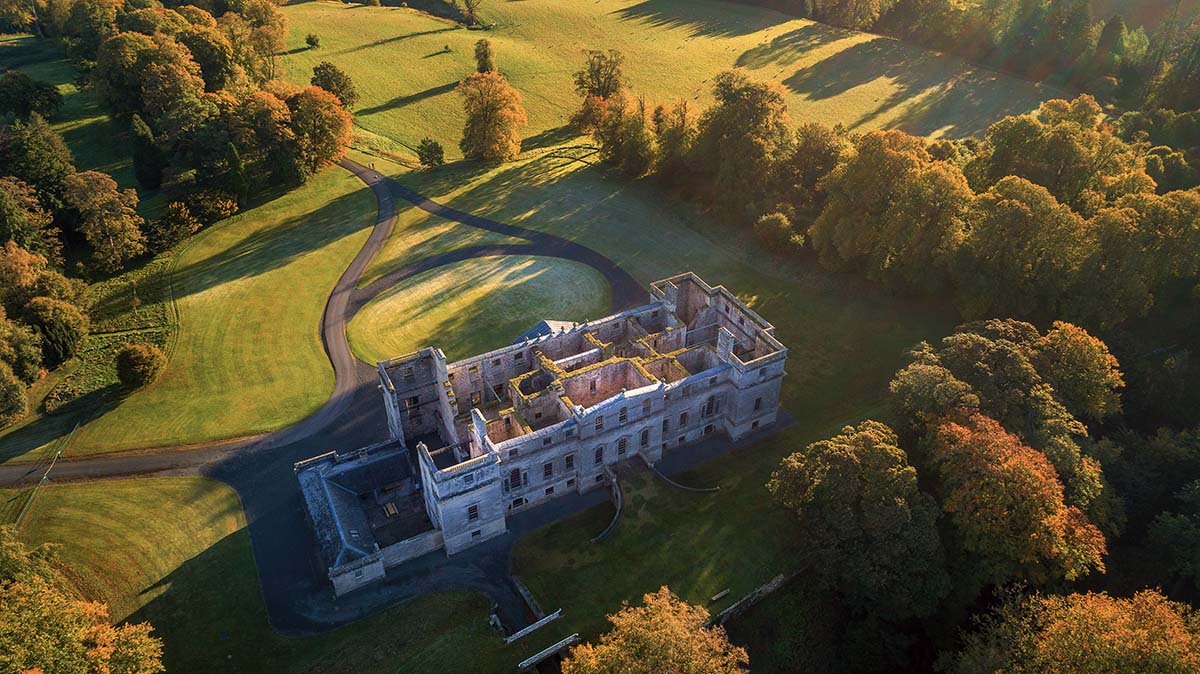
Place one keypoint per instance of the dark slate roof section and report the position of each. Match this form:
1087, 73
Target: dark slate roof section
332, 485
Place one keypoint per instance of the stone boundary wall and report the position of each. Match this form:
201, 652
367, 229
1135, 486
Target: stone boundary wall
753, 597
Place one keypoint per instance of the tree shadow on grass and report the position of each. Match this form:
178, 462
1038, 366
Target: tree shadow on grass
790, 47
41, 432
943, 94
402, 101
709, 19
396, 38
273, 246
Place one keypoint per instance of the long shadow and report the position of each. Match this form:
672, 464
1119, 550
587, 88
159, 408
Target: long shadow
396, 38
268, 248
402, 101
790, 47
710, 19
950, 96
47, 428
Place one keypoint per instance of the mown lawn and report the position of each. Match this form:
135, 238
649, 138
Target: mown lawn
175, 552
246, 356
406, 64
474, 306
250, 291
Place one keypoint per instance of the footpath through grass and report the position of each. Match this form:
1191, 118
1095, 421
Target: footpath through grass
406, 64
174, 552
475, 306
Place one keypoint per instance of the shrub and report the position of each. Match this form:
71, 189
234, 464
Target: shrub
61, 325
776, 230
312, 41
431, 153
138, 365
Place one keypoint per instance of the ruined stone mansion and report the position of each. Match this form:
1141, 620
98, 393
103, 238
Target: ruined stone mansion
477, 440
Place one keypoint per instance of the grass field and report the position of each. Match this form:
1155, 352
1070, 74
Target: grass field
475, 306
96, 141
248, 355
174, 551
399, 61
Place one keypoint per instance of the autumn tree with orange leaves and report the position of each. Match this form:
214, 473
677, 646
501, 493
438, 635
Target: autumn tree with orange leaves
664, 634
1083, 634
1006, 503
495, 117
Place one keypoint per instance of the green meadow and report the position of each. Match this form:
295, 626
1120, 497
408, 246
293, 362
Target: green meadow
406, 65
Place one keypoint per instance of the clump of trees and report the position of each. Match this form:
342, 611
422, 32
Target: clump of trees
663, 634
988, 478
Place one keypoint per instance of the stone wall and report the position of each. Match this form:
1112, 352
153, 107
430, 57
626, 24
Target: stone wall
411, 548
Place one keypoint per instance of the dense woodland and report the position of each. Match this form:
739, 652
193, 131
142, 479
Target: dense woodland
195, 89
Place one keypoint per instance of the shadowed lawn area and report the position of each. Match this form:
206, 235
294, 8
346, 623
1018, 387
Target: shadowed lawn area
474, 306
399, 61
98, 143
174, 552
250, 291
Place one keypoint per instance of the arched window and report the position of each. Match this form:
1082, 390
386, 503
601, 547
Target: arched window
599, 455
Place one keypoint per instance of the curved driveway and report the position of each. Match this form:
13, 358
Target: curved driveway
260, 467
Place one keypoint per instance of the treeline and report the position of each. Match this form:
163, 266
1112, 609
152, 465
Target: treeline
208, 125
1052, 215
1059, 41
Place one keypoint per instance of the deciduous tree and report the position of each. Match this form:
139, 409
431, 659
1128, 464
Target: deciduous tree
664, 634
139, 364
485, 56
1006, 503
870, 531
495, 117
108, 218
601, 75
23, 220
1085, 376
322, 129
332, 79
61, 326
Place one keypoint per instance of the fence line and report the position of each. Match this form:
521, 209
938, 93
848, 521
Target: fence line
62, 446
